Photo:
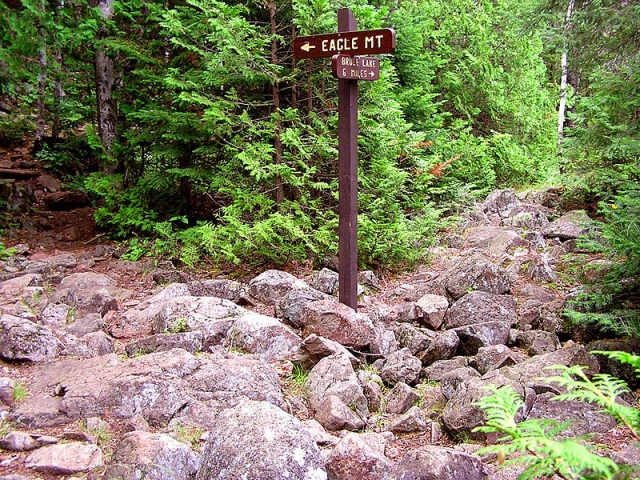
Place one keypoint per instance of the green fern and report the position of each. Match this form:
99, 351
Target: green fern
534, 442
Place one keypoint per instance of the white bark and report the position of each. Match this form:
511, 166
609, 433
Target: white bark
563, 81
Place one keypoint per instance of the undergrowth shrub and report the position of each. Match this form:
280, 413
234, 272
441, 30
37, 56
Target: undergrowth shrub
535, 443
612, 301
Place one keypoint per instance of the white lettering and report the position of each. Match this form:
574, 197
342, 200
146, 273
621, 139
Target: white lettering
324, 45
368, 42
379, 38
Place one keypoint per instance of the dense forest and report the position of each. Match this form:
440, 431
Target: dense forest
200, 137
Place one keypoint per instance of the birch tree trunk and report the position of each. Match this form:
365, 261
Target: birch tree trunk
105, 79
564, 63
42, 84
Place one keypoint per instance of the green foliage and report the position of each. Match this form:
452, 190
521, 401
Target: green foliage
535, 441
612, 301
602, 390
5, 252
13, 131
20, 392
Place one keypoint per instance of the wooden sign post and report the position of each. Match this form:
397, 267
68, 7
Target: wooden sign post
348, 69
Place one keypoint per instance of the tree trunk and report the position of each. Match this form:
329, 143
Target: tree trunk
57, 86
275, 91
105, 79
42, 84
563, 81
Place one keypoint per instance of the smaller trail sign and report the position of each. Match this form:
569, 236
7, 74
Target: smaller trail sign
364, 42
355, 68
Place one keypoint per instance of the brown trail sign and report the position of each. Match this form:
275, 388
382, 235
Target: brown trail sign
348, 69
347, 42
355, 68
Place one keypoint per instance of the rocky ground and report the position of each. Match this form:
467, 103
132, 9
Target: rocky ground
112, 369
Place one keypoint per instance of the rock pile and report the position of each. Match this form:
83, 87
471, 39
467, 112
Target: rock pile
192, 382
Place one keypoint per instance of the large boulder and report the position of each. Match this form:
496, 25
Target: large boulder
442, 347
153, 456
437, 463
271, 286
354, 459
289, 308
474, 337
571, 225
228, 381
65, 458
433, 308
401, 366
22, 339
334, 375
479, 307
256, 441
266, 336
501, 202
338, 322
315, 348
475, 273
70, 390
534, 371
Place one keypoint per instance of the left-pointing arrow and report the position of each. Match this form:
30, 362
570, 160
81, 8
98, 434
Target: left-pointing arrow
306, 47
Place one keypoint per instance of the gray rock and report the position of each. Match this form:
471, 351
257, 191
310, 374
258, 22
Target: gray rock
22, 339
506, 242
231, 380
256, 441
532, 372
462, 414
354, 459
326, 281
384, 341
51, 265
529, 216
537, 342
583, 418
92, 322
54, 315
436, 370
400, 399
155, 456
450, 381
336, 321
334, 415
289, 308
433, 308
501, 202
437, 463
187, 313
219, 288
84, 281
609, 365
401, 366
412, 338
495, 357
480, 307
70, 390
571, 225
271, 286
189, 341
320, 436
414, 420
65, 458
443, 347
92, 344
473, 337
481, 237
315, 348
334, 375
265, 336
7, 387
16, 441
475, 273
